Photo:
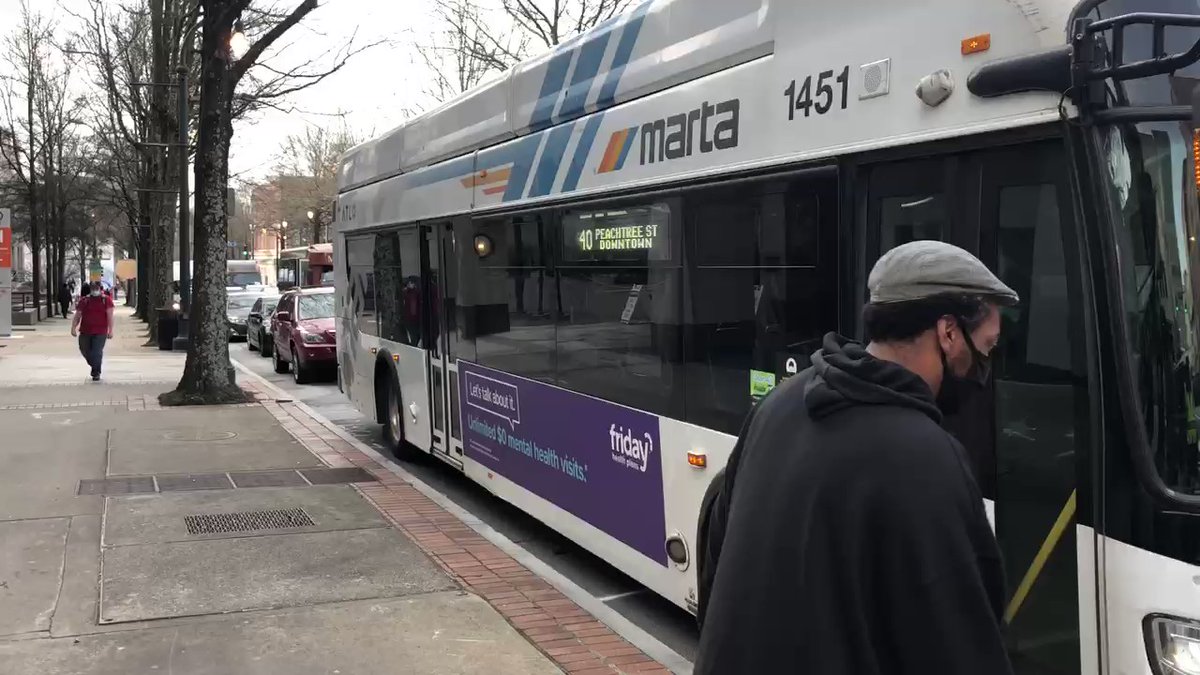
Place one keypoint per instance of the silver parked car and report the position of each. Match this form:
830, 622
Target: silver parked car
258, 325
238, 306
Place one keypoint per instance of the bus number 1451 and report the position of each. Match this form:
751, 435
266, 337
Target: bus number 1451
822, 102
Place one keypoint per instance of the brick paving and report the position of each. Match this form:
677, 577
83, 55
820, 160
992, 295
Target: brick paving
138, 403
555, 624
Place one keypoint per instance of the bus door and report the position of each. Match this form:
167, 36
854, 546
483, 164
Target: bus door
440, 271
1028, 435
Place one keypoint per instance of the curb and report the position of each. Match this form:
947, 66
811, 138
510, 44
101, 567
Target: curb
573, 628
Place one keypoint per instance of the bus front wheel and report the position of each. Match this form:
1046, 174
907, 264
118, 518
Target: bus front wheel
393, 426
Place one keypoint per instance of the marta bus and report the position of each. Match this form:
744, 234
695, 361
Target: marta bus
573, 282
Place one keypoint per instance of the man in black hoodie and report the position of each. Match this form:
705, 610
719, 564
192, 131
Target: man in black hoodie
848, 536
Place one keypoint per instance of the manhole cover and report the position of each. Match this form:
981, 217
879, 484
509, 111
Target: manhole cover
199, 435
247, 521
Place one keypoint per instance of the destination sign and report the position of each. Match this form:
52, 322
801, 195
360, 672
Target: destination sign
626, 235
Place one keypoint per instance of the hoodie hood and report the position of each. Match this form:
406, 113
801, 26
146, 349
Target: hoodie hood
845, 375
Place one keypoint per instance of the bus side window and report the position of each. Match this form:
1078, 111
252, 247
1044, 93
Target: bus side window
508, 298
618, 328
762, 290
397, 286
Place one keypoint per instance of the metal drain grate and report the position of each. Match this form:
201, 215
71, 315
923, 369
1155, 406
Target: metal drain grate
249, 521
116, 486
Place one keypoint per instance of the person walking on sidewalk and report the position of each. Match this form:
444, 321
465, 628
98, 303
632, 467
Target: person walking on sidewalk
93, 324
64, 298
849, 536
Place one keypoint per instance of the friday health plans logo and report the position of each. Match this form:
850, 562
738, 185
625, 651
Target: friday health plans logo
630, 449
707, 129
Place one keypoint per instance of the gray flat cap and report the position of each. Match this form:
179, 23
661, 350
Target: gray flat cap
922, 269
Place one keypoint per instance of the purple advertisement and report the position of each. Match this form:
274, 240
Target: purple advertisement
597, 460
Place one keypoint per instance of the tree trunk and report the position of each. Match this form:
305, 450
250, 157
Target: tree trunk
208, 375
147, 299
162, 240
162, 233
145, 310
50, 271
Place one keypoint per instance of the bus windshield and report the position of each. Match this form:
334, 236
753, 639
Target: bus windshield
1152, 176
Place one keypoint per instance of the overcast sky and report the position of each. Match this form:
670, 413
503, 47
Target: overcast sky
373, 91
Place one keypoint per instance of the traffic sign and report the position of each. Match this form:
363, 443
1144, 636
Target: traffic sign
5, 239
6, 245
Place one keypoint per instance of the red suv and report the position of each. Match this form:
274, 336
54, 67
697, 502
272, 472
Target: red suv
303, 329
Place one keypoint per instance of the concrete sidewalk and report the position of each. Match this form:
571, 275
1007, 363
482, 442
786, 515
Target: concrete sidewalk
48, 355
240, 539
136, 539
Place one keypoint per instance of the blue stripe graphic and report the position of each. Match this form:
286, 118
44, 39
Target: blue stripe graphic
608, 92
437, 173
552, 154
552, 87
520, 152
633, 132
591, 55
582, 150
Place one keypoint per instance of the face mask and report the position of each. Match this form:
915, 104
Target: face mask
95, 293
958, 388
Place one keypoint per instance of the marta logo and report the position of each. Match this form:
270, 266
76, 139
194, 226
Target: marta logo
707, 128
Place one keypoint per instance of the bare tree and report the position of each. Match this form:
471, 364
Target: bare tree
552, 21
65, 160
128, 44
501, 38
466, 50
24, 52
313, 158
228, 85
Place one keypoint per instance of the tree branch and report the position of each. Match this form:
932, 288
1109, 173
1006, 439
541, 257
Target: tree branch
251, 56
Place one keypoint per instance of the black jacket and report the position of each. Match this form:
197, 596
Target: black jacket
848, 536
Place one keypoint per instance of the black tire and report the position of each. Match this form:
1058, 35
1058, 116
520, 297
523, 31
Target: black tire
281, 367
393, 426
265, 347
301, 373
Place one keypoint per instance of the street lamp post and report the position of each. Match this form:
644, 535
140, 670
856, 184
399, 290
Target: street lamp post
279, 250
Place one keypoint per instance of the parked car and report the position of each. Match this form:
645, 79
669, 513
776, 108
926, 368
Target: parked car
258, 325
303, 332
237, 310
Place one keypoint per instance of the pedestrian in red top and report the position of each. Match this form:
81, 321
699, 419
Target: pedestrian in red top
93, 323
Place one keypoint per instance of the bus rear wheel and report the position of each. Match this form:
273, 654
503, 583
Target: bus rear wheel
393, 425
